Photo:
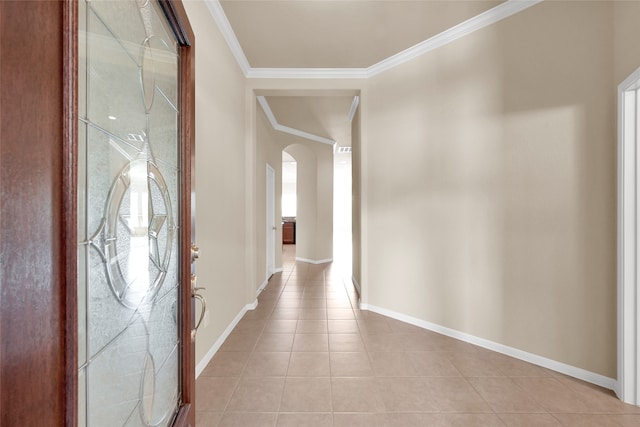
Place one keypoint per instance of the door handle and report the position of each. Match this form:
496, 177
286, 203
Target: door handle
203, 301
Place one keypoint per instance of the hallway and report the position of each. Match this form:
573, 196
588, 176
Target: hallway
307, 356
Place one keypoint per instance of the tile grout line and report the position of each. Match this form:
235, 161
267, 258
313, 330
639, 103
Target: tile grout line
326, 307
309, 281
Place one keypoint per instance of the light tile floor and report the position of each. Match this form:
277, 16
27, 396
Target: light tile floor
307, 356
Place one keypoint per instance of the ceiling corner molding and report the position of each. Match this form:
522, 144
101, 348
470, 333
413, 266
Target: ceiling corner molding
286, 129
305, 135
491, 16
307, 73
224, 26
354, 107
267, 111
478, 22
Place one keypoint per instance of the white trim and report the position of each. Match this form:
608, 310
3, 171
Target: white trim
221, 339
356, 284
286, 129
270, 238
312, 261
478, 22
563, 368
253, 305
261, 287
220, 18
305, 135
267, 111
354, 108
266, 282
628, 388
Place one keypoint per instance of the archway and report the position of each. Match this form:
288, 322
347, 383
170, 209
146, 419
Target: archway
314, 202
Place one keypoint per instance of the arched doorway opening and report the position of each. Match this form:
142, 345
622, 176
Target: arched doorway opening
313, 201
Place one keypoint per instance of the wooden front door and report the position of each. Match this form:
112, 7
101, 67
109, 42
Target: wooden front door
97, 115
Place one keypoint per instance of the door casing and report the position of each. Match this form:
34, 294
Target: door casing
628, 386
271, 220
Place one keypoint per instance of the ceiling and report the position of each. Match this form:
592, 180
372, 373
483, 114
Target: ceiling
339, 33
335, 34
325, 116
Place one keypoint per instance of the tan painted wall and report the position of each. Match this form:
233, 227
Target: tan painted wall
626, 35
307, 212
491, 185
487, 178
324, 203
220, 177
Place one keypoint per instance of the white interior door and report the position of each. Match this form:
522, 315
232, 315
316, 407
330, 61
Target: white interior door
271, 220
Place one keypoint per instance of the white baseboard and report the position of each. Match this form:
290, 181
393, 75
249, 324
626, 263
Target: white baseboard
312, 261
266, 281
251, 306
261, 287
216, 345
357, 285
544, 362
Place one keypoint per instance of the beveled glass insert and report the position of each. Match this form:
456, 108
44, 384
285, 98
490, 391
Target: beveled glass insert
129, 216
147, 74
148, 390
138, 233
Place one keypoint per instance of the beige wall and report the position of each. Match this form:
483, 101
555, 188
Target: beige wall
220, 177
491, 177
485, 176
626, 36
324, 203
307, 213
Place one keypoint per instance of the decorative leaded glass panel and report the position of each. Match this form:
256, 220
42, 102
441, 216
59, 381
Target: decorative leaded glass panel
128, 185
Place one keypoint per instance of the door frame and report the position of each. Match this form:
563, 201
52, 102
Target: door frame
628, 386
37, 270
270, 208
178, 21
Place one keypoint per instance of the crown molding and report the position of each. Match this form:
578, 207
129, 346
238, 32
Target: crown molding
286, 129
478, 22
267, 111
229, 36
305, 135
354, 107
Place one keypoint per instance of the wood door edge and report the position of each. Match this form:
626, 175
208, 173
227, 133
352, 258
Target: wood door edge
182, 419
70, 189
